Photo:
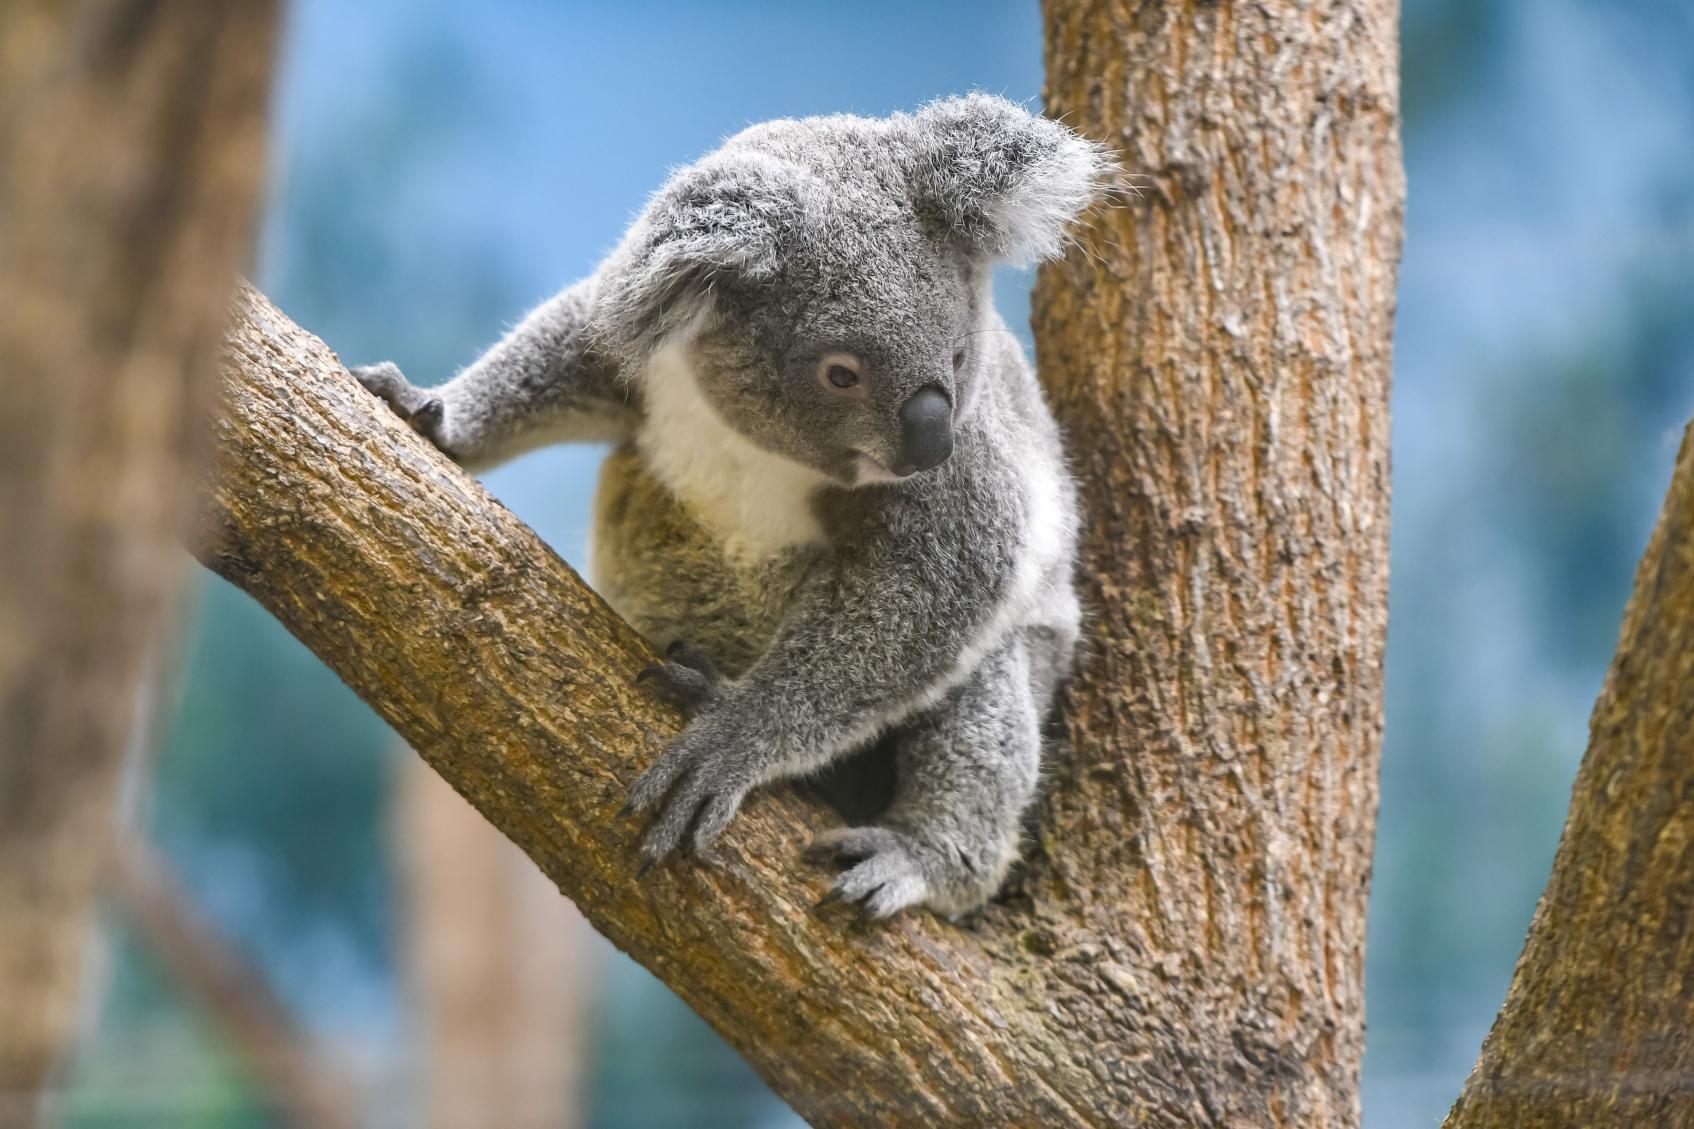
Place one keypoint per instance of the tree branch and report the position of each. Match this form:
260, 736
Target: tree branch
1596, 1026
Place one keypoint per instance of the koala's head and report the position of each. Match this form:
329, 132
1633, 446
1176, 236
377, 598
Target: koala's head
826, 275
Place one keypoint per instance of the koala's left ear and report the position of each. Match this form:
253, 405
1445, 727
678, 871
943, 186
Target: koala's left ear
723, 219
1006, 181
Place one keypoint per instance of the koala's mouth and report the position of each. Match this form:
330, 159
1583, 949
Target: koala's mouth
870, 470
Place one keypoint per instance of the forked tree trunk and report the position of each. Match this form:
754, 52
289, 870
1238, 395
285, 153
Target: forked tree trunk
131, 147
1186, 948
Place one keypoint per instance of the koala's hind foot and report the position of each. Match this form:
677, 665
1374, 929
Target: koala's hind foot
421, 408
885, 871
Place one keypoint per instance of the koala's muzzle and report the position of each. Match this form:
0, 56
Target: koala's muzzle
926, 431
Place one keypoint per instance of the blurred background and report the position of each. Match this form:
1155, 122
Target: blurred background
438, 168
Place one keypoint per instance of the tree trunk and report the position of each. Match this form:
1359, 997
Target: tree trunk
500, 970
1219, 357
131, 146
1596, 1027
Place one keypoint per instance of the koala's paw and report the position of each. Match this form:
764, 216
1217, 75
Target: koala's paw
688, 680
884, 871
696, 787
422, 409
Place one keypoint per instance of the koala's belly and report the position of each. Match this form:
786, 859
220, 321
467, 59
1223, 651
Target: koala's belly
669, 576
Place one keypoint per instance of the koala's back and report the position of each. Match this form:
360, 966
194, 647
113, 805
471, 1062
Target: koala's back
662, 569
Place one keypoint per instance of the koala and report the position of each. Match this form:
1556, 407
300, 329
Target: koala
835, 495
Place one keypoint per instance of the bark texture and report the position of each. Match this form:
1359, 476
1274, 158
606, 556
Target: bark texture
1596, 1027
1219, 355
131, 147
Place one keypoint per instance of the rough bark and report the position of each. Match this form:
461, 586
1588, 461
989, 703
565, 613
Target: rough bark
1219, 355
1595, 1030
131, 146
500, 970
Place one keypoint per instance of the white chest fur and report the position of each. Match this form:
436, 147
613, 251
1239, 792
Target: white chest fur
755, 502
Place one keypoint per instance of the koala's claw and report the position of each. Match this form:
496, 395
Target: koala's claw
697, 809
688, 681
882, 872
697, 786
429, 417
424, 411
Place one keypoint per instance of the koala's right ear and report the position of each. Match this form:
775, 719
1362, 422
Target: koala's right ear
724, 219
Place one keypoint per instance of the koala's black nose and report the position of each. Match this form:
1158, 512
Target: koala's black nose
926, 431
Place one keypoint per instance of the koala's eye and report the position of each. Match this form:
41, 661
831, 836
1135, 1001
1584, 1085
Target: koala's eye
958, 359
840, 372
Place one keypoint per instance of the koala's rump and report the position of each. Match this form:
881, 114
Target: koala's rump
670, 577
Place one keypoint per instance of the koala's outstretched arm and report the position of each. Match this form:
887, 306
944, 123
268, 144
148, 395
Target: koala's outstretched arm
906, 613
543, 383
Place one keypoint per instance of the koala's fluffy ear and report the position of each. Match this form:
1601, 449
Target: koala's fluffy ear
722, 219
1006, 181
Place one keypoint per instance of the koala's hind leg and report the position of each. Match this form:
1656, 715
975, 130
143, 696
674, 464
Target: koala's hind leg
967, 768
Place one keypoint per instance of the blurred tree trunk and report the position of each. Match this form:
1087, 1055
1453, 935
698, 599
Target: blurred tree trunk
131, 148
501, 969
1598, 1026
1186, 948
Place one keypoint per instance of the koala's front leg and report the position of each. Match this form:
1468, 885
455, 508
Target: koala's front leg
420, 407
543, 383
868, 640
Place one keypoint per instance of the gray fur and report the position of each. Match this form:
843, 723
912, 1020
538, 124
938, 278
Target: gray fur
750, 345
